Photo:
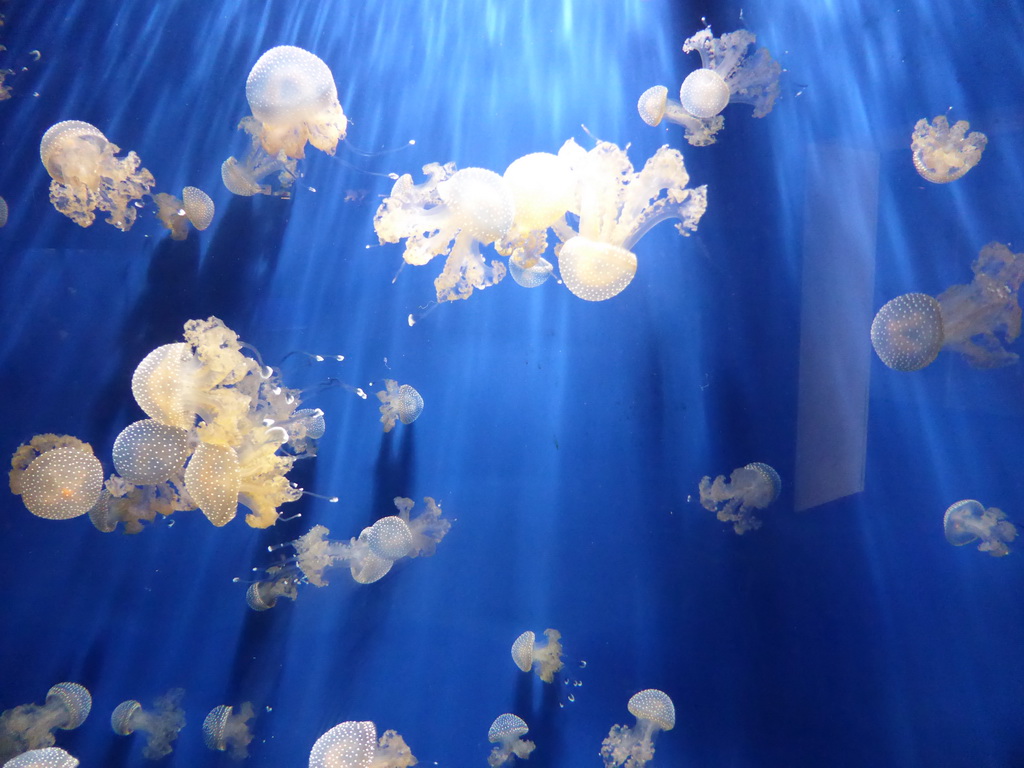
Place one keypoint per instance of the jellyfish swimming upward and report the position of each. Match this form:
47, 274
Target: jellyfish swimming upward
942, 153
748, 489
507, 732
968, 521
31, 726
354, 744
634, 747
161, 724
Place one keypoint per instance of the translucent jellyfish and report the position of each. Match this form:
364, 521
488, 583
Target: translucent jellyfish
246, 178
729, 75
506, 731
48, 757
617, 207
749, 488
977, 319
3, 212
160, 724
943, 154
87, 177
354, 744
30, 726
294, 100
123, 502
634, 747
57, 476
399, 403
545, 658
968, 521
654, 105
454, 213
225, 729
280, 581
194, 207
148, 452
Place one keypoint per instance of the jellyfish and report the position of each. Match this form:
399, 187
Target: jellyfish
968, 521
654, 105
354, 744
729, 75
634, 747
122, 502
452, 212
48, 757
87, 177
943, 154
749, 488
31, 726
545, 658
3, 212
225, 729
399, 403
617, 207
976, 319
147, 452
280, 581
160, 724
5, 90
194, 207
506, 731
57, 476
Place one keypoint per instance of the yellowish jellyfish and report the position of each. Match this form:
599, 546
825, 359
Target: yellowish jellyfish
161, 724
729, 74
907, 332
544, 657
194, 207
30, 727
224, 729
354, 744
57, 476
634, 747
942, 153
968, 521
399, 403
749, 488
507, 732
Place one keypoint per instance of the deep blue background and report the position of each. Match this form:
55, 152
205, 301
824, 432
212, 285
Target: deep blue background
565, 437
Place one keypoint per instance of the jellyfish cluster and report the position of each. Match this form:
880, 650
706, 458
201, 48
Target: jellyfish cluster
749, 488
31, 727
627, 747
354, 744
161, 723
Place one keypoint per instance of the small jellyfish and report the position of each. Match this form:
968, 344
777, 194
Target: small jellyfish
57, 476
546, 658
123, 502
31, 726
634, 747
87, 177
195, 207
48, 757
968, 521
749, 488
225, 729
160, 724
654, 105
354, 744
729, 75
3, 212
399, 403
280, 581
506, 731
246, 178
147, 452
907, 332
943, 154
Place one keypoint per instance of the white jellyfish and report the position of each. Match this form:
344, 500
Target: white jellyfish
31, 726
544, 657
654, 105
160, 724
57, 476
48, 757
634, 747
3, 212
194, 207
225, 729
399, 403
246, 177
454, 213
968, 520
749, 488
943, 154
354, 744
728, 74
147, 452
507, 731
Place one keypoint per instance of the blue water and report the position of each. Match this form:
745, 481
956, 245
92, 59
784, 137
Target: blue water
566, 438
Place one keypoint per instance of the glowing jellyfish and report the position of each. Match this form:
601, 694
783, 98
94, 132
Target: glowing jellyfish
634, 747
907, 332
749, 488
87, 177
354, 744
454, 213
399, 403
246, 178
968, 521
943, 154
160, 724
729, 74
654, 105
507, 731
48, 757
31, 726
57, 476
195, 207
3, 212
617, 207
225, 729
545, 657
148, 452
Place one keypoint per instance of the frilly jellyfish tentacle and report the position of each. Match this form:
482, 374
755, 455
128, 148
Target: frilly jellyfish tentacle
730, 74
749, 488
634, 747
942, 154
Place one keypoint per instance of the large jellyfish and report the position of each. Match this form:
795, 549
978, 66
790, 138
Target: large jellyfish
57, 476
31, 726
48, 757
454, 213
225, 729
617, 207
193, 207
654, 105
977, 319
545, 658
729, 75
968, 521
748, 488
354, 744
160, 724
399, 403
87, 177
507, 731
943, 154
634, 747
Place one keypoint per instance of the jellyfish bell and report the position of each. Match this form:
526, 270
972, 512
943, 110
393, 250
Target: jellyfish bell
480, 201
543, 188
907, 332
3, 212
507, 731
161, 723
399, 403
225, 729
147, 452
198, 206
213, 478
595, 271
546, 656
654, 706
74, 699
704, 93
968, 520
651, 104
389, 538
347, 745
57, 476
530, 272
48, 757
634, 747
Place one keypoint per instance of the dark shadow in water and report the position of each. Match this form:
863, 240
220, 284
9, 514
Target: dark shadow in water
542, 720
393, 472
